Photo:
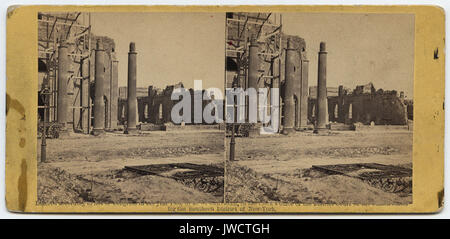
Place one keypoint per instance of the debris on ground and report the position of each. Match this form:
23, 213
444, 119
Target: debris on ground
91, 169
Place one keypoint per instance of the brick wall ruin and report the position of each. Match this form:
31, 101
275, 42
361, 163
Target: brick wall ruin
155, 105
364, 104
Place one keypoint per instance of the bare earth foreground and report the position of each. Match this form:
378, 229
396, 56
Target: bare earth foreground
83, 168
271, 168
277, 168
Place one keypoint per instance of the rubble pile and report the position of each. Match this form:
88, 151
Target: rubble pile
353, 152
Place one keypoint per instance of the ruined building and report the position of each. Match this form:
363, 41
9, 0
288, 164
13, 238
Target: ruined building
259, 54
78, 80
155, 105
364, 104
71, 62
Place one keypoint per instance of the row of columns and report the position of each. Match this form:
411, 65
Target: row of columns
100, 112
295, 111
296, 71
293, 64
99, 105
295, 98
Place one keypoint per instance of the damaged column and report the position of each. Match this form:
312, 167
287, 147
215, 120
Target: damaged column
253, 67
131, 94
85, 95
253, 77
63, 77
341, 112
114, 91
322, 104
288, 100
99, 104
304, 92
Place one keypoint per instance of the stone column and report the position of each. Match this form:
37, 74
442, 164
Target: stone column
77, 110
85, 95
99, 104
341, 112
131, 94
107, 91
304, 93
150, 103
253, 67
141, 110
114, 91
71, 100
63, 78
297, 86
289, 82
322, 105
121, 111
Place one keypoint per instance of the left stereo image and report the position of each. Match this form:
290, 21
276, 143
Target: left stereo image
129, 108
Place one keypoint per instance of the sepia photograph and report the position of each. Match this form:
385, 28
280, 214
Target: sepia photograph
315, 108
225, 109
124, 107
323, 104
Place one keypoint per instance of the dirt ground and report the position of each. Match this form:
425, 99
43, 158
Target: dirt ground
270, 168
277, 168
83, 168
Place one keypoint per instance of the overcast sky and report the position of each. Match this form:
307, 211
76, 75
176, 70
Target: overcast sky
172, 47
362, 48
